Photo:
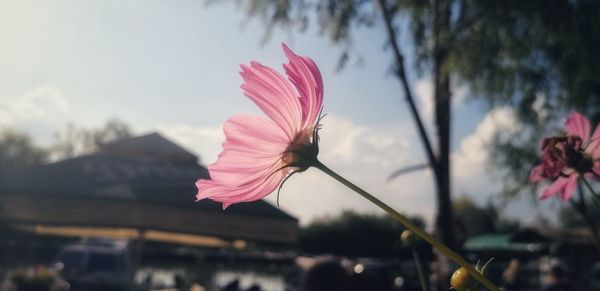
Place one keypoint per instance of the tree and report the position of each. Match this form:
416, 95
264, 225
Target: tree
568, 217
338, 19
72, 141
353, 235
478, 220
17, 151
540, 57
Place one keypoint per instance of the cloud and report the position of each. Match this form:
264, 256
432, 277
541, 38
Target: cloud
46, 104
367, 155
424, 92
205, 141
470, 161
424, 95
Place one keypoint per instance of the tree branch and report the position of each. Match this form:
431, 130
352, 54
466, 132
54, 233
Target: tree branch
401, 73
464, 25
406, 170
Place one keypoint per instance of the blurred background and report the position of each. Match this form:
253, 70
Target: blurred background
111, 110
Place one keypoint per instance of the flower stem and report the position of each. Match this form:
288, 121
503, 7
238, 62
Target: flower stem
410, 226
420, 271
595, 196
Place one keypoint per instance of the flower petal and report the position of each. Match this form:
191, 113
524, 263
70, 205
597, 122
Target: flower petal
536, 174
306, 77
254, 134
253, 145
274, 95
578, 125
596, 171
252, 191
593, 148
563, 186
569, 188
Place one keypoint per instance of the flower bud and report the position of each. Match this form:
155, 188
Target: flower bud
408, 238
461, 280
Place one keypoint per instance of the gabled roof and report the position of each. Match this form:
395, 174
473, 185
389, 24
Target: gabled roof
149, 146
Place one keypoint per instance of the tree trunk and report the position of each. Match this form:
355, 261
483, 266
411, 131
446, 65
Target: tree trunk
442, 97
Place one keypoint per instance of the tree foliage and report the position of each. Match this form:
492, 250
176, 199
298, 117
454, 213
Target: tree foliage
539, 57
353, 235
569, 217
17, 151
478, 220
73, 141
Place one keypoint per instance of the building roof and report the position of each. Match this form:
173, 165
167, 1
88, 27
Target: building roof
147, 171
521, 241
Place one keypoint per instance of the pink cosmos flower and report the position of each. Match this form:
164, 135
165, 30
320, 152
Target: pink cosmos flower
258, 152
566, 158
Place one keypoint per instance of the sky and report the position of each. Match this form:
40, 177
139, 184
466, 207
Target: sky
172, 67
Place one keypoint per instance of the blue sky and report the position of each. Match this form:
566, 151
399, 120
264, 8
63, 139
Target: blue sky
172, 66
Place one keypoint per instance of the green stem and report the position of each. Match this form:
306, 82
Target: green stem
595, 196
410, 226
419, 269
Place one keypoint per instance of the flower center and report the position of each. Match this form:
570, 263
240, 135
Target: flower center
564, 153
301, 152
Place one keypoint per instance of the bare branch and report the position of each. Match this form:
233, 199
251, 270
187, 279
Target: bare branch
406, 170
401, 73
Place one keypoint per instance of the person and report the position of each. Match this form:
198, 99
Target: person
326, 276
234, 285
179, 282
510, 280
146, 285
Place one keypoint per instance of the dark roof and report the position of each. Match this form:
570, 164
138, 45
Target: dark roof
149, 146
146, 168
525, 240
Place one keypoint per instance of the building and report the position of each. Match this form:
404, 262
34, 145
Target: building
140, 187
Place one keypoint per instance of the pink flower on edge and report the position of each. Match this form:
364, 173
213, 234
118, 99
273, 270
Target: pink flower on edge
258, 153
566, 158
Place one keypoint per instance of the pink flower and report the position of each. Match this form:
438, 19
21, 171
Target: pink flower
258, 153
566, 158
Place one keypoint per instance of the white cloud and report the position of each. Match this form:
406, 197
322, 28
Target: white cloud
424, 92
367, 155
470, 170
473, 151
202, 140
424, 95
45, 104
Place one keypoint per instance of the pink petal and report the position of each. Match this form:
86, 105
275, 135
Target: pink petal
563, 186
274, 95
578, 125
306, 77
251, 191
569, 188
253, 145
254, 134
596, 171
593, 148
536, 174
